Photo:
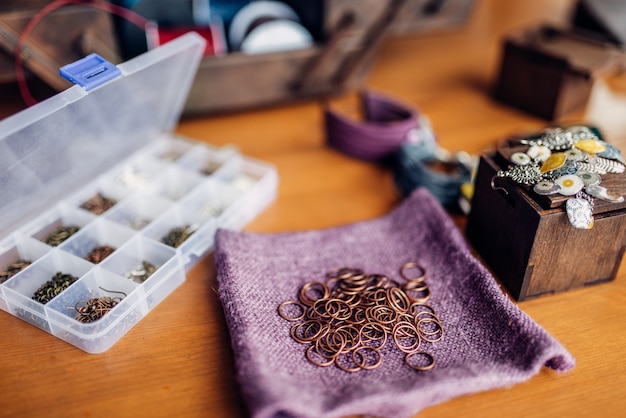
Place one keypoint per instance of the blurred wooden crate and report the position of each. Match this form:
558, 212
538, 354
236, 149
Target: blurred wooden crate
337, 62
353, 30
549, 71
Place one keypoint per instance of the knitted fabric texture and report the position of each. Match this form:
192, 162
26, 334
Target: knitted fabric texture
489, 342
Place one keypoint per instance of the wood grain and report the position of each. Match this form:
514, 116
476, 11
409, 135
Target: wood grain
177, 361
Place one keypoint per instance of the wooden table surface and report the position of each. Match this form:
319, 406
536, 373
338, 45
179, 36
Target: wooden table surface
178, 362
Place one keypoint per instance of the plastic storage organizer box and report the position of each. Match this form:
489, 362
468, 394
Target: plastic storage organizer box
116, 140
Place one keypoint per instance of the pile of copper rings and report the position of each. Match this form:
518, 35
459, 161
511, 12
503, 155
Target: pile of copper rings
91, 310
349, 319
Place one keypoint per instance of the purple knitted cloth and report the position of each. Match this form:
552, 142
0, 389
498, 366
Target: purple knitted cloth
488, 342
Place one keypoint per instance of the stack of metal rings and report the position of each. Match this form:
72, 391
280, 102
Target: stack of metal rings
348, 320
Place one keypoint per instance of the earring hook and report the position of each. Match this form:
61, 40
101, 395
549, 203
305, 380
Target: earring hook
494, 187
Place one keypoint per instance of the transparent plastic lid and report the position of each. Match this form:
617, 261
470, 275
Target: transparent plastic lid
52, 148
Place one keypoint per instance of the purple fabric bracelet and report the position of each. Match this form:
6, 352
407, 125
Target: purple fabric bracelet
489, 342
386, 126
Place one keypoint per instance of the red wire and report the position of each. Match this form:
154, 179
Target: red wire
129, 15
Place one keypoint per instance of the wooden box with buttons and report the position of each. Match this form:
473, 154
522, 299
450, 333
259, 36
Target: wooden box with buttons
538, 242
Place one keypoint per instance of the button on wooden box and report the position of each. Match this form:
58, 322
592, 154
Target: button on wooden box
527, 240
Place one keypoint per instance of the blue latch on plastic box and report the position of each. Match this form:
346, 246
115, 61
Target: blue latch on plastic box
90, 72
